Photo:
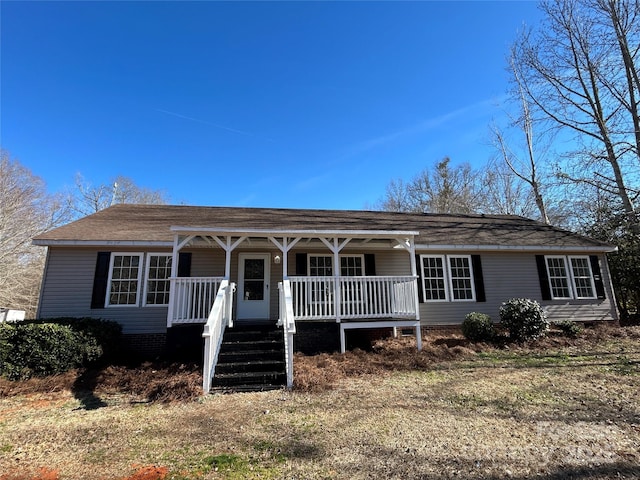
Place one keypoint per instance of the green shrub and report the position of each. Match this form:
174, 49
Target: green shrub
524, 319
103, 337
28, 350
41, 348
478, 327
568, 328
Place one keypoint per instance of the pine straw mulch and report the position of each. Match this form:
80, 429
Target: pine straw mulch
325, 371
168, 382
147, 382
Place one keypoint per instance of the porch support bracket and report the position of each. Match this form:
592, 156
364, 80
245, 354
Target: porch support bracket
228, 247
286, 245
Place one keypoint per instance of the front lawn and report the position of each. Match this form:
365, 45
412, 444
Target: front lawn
555, 409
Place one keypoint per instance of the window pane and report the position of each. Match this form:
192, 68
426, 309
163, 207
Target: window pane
582, 277
461, 284
558, 277
253, 290
158, 285
351, 266
320, 266
433, 278
123, 289
254, 268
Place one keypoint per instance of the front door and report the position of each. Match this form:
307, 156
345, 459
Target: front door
253, 287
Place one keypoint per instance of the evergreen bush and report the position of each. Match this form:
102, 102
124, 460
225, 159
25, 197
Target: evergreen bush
46, 347
478, 327
524, 319
568, 328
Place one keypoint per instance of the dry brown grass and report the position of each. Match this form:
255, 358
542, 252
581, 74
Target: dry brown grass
557, 409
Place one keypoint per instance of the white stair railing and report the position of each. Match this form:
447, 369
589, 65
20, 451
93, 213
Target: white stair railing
220, 317
288, 323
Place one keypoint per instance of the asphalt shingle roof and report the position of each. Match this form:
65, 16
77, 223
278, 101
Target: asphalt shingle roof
152, 223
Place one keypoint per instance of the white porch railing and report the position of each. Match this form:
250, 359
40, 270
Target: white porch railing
192, 298
360, 297
288, 323
220, 317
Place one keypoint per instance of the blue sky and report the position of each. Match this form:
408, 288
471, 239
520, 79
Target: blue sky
292, 104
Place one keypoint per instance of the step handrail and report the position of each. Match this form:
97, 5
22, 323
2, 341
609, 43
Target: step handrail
288, 322
219, 318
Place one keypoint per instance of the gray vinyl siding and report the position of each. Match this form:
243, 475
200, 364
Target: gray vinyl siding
514, 275
68, 286
207, 262
393, 262
388, 262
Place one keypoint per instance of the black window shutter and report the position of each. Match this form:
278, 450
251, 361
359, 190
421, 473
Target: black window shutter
543, 277
478, 279
597, 276
369, 264
100, 279
419, 270
301, 264
184, 264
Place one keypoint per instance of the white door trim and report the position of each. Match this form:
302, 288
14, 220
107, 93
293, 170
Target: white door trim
247, 308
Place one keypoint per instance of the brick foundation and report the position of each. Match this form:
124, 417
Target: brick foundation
441, 329
145, 345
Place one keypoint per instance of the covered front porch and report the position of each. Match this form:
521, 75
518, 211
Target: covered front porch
357, 279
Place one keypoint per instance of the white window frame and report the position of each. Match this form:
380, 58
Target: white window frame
355, 255
471, 279
444, 273
146, 279
592, 283
448, 279
317, 255
140, 256
340, 257
566, 275
569, 275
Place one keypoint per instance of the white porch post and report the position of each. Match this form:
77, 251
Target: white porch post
177, 246
410, 246
335, 248
414, 272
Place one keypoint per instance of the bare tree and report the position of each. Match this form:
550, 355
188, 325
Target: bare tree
503, 192
397, 197
439, 189
25, 211
526, 169
562, 69
86, 198
621, 20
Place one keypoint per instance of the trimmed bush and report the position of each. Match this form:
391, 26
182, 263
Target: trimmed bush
478, 327
524, 319
41, 348
103, 336
568, 328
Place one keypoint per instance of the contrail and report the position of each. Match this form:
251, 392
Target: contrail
222, 127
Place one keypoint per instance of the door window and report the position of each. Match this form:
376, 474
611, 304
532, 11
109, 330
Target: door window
254, 279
